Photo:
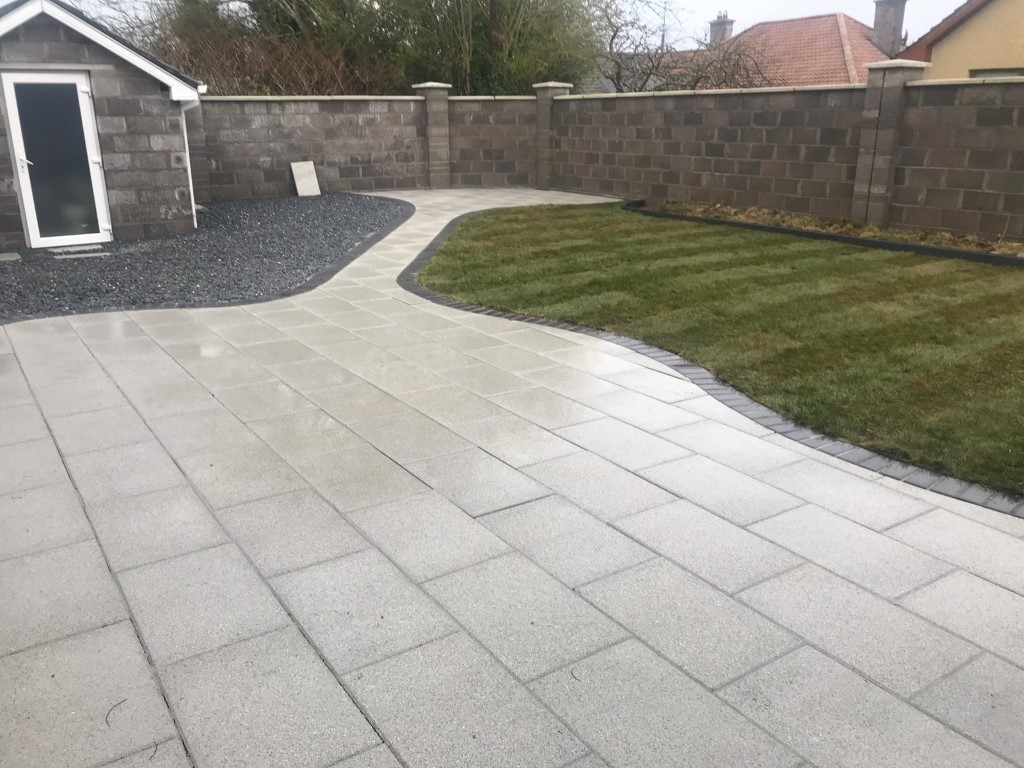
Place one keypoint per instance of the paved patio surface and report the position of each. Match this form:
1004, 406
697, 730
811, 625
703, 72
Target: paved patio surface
357, 529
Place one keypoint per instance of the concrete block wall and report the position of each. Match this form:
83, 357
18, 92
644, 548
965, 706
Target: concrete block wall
356, 144
792, 151
141, 135
493, 141
960, 164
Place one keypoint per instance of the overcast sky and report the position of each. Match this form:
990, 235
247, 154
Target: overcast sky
922, 15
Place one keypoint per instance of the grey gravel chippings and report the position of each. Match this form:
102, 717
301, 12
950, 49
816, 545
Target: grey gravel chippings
242, 251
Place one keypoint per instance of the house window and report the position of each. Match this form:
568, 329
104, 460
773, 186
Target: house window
986, 73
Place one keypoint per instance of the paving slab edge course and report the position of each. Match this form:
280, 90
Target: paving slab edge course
318, 278
961, 490
979, 257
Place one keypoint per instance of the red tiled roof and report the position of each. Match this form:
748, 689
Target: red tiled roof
818, 50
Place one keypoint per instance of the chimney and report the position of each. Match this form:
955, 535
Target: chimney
721, 28
888, 32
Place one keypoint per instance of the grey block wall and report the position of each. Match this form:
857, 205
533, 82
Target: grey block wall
493, 141
794, 151
141, 135
356, 144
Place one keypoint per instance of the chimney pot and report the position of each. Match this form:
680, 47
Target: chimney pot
721, 28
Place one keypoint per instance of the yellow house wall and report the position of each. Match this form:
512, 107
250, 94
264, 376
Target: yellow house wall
991, 39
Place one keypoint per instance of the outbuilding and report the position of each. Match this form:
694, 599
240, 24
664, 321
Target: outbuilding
95, 145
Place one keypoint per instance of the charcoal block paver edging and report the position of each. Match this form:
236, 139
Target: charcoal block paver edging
973, 493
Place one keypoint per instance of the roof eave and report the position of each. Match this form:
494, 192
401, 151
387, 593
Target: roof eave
180, 89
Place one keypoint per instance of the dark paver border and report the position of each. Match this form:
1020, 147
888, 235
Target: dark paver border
318, 278
409, 279
978, 257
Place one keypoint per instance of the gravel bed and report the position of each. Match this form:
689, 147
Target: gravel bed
243, 251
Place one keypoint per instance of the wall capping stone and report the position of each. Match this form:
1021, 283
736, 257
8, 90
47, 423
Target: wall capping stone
720, 92
311, 98
492, 98
968, 81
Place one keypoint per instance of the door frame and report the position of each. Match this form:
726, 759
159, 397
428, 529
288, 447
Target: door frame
92, 148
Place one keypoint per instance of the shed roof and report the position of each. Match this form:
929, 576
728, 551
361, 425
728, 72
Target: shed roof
14, 14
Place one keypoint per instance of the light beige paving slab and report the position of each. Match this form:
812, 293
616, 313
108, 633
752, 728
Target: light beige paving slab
724, 554
571, 545
622, 444
637, 710
835, 717
886, 643
708, 634
514, 440
527, 619
872, 560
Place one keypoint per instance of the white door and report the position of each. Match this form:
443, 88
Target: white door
57, 160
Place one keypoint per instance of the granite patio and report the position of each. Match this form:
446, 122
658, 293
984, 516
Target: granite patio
357, 529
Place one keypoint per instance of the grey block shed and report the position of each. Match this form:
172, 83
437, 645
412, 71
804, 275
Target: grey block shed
94, 145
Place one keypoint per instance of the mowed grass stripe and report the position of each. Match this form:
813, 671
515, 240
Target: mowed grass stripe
917, 357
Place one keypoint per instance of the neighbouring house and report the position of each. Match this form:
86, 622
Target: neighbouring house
95, 145
980, 39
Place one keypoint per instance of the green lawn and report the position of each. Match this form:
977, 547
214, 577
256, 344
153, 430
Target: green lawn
918, 358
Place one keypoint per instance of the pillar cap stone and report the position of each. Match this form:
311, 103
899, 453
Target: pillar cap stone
431, 84
900, 64
552, 84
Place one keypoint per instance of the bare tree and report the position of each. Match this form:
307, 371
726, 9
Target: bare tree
642, 52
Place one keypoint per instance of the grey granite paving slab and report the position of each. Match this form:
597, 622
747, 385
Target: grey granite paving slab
198, 602
989, 553
568, 543
361, 477
42, 518
263, 401
863, 501
733, 495
622, 444
128, 470
21, 424
514, 440
526, 618
291, 531
361, 609
732, 447
426, 535
545, 408
708, 634
77, 397
96, 430
835, 717
409, 437
356, 402
83, 700
249, 471
886, 643
449, 704
187, 434
377, 757
598, 486
30, 465
571, 382
872, 560
477, 482
167, 754
641, 411
637, 710
265, 702
728, 556
984, 700
56, 593
306, 435
982, 612
154, 526
485, 380
452, 405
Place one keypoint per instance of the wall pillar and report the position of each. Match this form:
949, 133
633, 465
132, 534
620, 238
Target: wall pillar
439, 166
880, 137
546, 93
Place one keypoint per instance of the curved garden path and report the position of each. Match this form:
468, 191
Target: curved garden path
355, 528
